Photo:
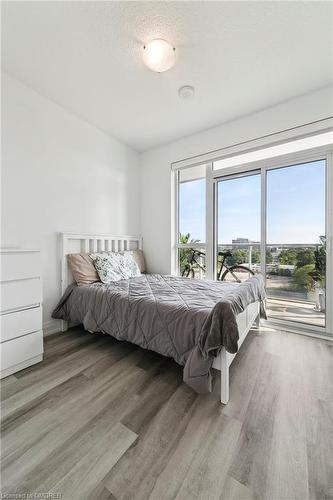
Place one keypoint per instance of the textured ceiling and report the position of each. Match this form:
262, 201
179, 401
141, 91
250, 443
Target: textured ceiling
239, 56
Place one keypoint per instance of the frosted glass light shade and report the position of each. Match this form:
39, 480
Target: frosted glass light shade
159, 55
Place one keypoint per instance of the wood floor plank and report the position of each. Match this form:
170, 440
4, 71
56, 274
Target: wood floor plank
66, 346
135, 474
319, 434
70, 418
288, 460
153, 394
233, 490
38, 383
48, 399
6, 382
209, 469
102, 493
254, 446
244, 371
100, 399
103, 419
37, 374
86, 475
200, 462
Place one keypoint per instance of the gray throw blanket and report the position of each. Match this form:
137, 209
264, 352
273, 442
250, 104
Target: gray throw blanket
188, 320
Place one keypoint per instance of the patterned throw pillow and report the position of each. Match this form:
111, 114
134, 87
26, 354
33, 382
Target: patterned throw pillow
129, 267
114, 266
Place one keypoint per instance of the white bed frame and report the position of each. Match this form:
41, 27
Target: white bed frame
74, 243
77, 243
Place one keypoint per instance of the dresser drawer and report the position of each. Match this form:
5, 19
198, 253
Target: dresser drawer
19, 350
20, 294
19, 323
20, 265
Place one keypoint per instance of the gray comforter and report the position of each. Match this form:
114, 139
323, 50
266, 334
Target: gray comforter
188, 320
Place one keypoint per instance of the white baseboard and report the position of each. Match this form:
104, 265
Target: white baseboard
21, 366
52, 326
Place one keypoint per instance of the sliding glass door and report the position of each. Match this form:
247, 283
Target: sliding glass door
296, 243
285, 208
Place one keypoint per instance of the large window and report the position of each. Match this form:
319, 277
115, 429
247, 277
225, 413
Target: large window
191, 237
238, 226
269, 215
192, 204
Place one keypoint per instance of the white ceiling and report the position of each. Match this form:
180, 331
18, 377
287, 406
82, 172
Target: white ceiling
239, 56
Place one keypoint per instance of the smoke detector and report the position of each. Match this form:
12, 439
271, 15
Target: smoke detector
186, 92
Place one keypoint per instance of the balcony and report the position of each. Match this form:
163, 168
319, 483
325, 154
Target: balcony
295, 275
298, 311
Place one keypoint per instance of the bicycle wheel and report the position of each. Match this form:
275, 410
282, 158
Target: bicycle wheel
237, 274
188, 272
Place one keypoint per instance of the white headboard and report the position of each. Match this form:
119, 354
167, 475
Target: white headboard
76, 243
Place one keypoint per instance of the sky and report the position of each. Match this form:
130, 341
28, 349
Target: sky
295, 206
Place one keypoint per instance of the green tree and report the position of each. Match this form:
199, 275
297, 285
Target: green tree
288, 257
255, 256
238, 257
269, 257
319, 273
303, 278
305, 257
185, 254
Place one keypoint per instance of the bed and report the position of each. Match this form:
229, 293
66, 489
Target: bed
200, 324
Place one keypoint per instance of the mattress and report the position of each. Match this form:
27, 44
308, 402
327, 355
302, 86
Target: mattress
189, 320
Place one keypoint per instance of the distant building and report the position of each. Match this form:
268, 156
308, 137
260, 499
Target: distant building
240, 240
244, 242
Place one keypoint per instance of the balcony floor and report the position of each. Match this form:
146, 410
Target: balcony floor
298, 311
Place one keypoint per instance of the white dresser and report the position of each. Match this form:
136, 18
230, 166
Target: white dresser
20, 310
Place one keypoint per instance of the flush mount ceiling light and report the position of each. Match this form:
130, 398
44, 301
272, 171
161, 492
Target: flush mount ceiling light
159, 55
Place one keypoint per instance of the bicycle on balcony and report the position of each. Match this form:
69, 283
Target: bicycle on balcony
236, 273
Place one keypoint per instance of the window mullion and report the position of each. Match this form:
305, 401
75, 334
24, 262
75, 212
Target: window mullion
209, 222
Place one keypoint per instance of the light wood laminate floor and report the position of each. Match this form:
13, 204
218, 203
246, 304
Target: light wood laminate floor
101, 419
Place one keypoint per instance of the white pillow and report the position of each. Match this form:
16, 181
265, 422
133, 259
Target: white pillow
114, 266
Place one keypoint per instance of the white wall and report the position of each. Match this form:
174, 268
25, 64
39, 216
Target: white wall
156, 177
60, 174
